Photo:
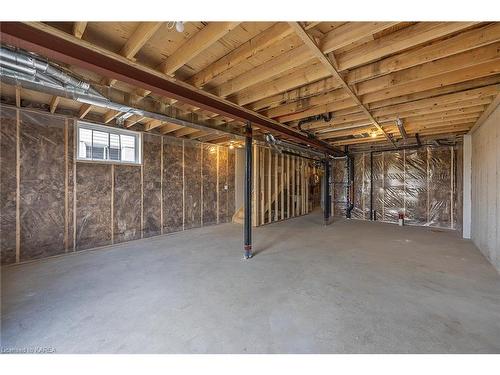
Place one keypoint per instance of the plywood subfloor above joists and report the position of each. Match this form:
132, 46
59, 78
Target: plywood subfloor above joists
393, 68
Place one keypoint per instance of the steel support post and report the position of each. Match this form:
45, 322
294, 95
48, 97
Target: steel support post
248, 191
326, 192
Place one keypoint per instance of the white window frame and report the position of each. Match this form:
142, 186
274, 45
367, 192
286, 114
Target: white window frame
108, 129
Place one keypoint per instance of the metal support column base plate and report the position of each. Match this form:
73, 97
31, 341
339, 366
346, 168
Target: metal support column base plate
248, 252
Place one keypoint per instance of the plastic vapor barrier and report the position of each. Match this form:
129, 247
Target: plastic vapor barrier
421, 184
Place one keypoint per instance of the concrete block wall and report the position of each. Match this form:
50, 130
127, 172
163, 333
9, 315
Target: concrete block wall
485, 188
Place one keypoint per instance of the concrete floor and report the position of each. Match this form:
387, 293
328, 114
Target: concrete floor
351, 287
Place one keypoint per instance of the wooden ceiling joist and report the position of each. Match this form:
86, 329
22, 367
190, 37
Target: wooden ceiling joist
278, 65
494, 104
335, 106
426, 70
440, 101
449, 64
62, 47
197, 134
143, 32
152, 124
434, 109
184, 131
167, 128
310, 74
444, 90
422, 125
379, 138
353, 118
132, 120
301, 93
424, 111
435, 76
349, 33
84, 110
470, 59
110, 115
478, 71
199, 42
53, 103
196, 45
405, 93
462, 42
307, 103
211, 138
309, 42
348, 104
408, 37
245, 51
141, 35
391, 127
79, 29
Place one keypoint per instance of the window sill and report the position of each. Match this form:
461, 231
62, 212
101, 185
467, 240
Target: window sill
108, 162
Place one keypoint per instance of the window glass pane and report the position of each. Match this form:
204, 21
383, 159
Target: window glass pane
95, 142
128, 148
114, 147
99, 145
85, 139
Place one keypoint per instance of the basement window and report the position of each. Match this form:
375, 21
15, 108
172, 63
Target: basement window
105, 144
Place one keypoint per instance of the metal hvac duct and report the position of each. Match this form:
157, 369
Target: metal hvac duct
35, 83
284, 145
401, 128
281, 145
18, 68
24, 60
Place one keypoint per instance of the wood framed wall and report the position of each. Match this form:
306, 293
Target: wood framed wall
51, 204
280, 186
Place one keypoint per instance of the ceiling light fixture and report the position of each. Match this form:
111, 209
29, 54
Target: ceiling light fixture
179, 26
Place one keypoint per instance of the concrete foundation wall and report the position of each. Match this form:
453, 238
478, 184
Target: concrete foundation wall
51, 204
485, 188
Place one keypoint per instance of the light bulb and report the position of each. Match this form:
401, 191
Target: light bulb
373, 134
179, 26
231, 146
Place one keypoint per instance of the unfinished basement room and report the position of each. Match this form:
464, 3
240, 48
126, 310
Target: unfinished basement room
250, 187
